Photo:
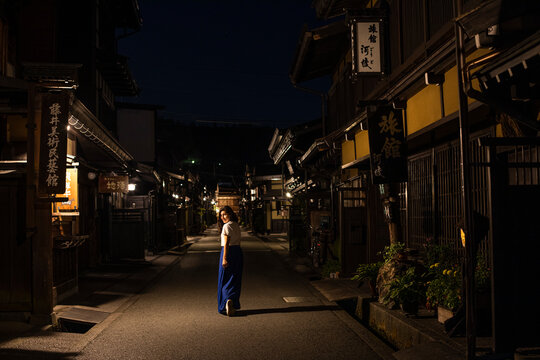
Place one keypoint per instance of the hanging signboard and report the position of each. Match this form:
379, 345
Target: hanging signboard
71, 206
387, 146
112, 184
367, 50
53, 143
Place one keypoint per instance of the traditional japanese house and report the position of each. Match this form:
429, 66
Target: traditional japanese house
344, 190
417, 78
60, 74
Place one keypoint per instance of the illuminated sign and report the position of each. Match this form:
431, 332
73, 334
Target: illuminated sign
71, 206
113, 184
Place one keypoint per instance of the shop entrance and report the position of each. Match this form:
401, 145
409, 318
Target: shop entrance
354, 238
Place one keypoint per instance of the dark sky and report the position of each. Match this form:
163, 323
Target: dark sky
215, 60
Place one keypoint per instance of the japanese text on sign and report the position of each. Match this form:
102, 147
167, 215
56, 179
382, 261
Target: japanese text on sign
53, 143
368, 48
112, 184
387, 146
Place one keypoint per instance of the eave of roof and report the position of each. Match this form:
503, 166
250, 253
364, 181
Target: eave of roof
325, 143
495, 12
86, 124
511, 62
127, 14
319, 51
116, 72
327, 9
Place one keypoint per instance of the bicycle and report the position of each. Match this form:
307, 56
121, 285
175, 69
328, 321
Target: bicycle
316, 250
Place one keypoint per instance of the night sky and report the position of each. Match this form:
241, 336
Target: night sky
211, 61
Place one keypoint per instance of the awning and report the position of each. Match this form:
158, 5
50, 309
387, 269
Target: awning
176, 176
12, 167
362, 163
52, 75
318, 145
521, 61
319, 51
147, 173
263, 178
282, 146
322, 144
94, 136
495, 12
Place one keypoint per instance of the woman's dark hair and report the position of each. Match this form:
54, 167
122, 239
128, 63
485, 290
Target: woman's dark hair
219, 224
227, 210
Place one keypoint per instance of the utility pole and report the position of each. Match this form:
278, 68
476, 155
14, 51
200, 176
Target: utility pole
469, 241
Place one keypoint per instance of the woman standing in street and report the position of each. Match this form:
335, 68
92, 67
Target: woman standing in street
230, 264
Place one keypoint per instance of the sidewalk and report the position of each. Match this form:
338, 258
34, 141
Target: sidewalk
104, 293
407, 338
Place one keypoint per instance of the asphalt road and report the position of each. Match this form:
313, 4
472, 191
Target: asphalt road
177, 318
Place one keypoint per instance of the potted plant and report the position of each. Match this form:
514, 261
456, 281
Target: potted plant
368, 272
395, 250
444, 290
407, 291
331, 269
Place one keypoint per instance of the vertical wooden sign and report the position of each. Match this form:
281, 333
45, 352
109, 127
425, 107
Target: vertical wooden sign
367, 39
387, 146
53, 143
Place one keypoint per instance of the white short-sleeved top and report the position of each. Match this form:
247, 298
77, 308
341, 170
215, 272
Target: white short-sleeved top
232, 229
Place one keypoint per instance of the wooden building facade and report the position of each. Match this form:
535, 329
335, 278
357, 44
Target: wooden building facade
433, 73
62, 169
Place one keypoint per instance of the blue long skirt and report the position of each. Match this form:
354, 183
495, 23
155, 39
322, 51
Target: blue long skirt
230, 278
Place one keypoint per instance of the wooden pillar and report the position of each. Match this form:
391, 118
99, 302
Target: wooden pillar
42, 264
390, 199
466, 202
38, 221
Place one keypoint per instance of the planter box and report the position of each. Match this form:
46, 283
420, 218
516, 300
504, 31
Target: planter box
444, 314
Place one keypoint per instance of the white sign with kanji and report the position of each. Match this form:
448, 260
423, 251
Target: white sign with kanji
368, 47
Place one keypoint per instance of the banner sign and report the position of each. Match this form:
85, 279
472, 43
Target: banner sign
53, 143
70, 206
367, 51
112, 184
387, 146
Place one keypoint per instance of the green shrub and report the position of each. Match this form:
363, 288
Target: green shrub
330, 266
444, 287
406, 289
390, 251
482, 274
367, 272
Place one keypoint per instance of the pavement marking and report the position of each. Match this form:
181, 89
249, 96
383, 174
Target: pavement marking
299, 299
